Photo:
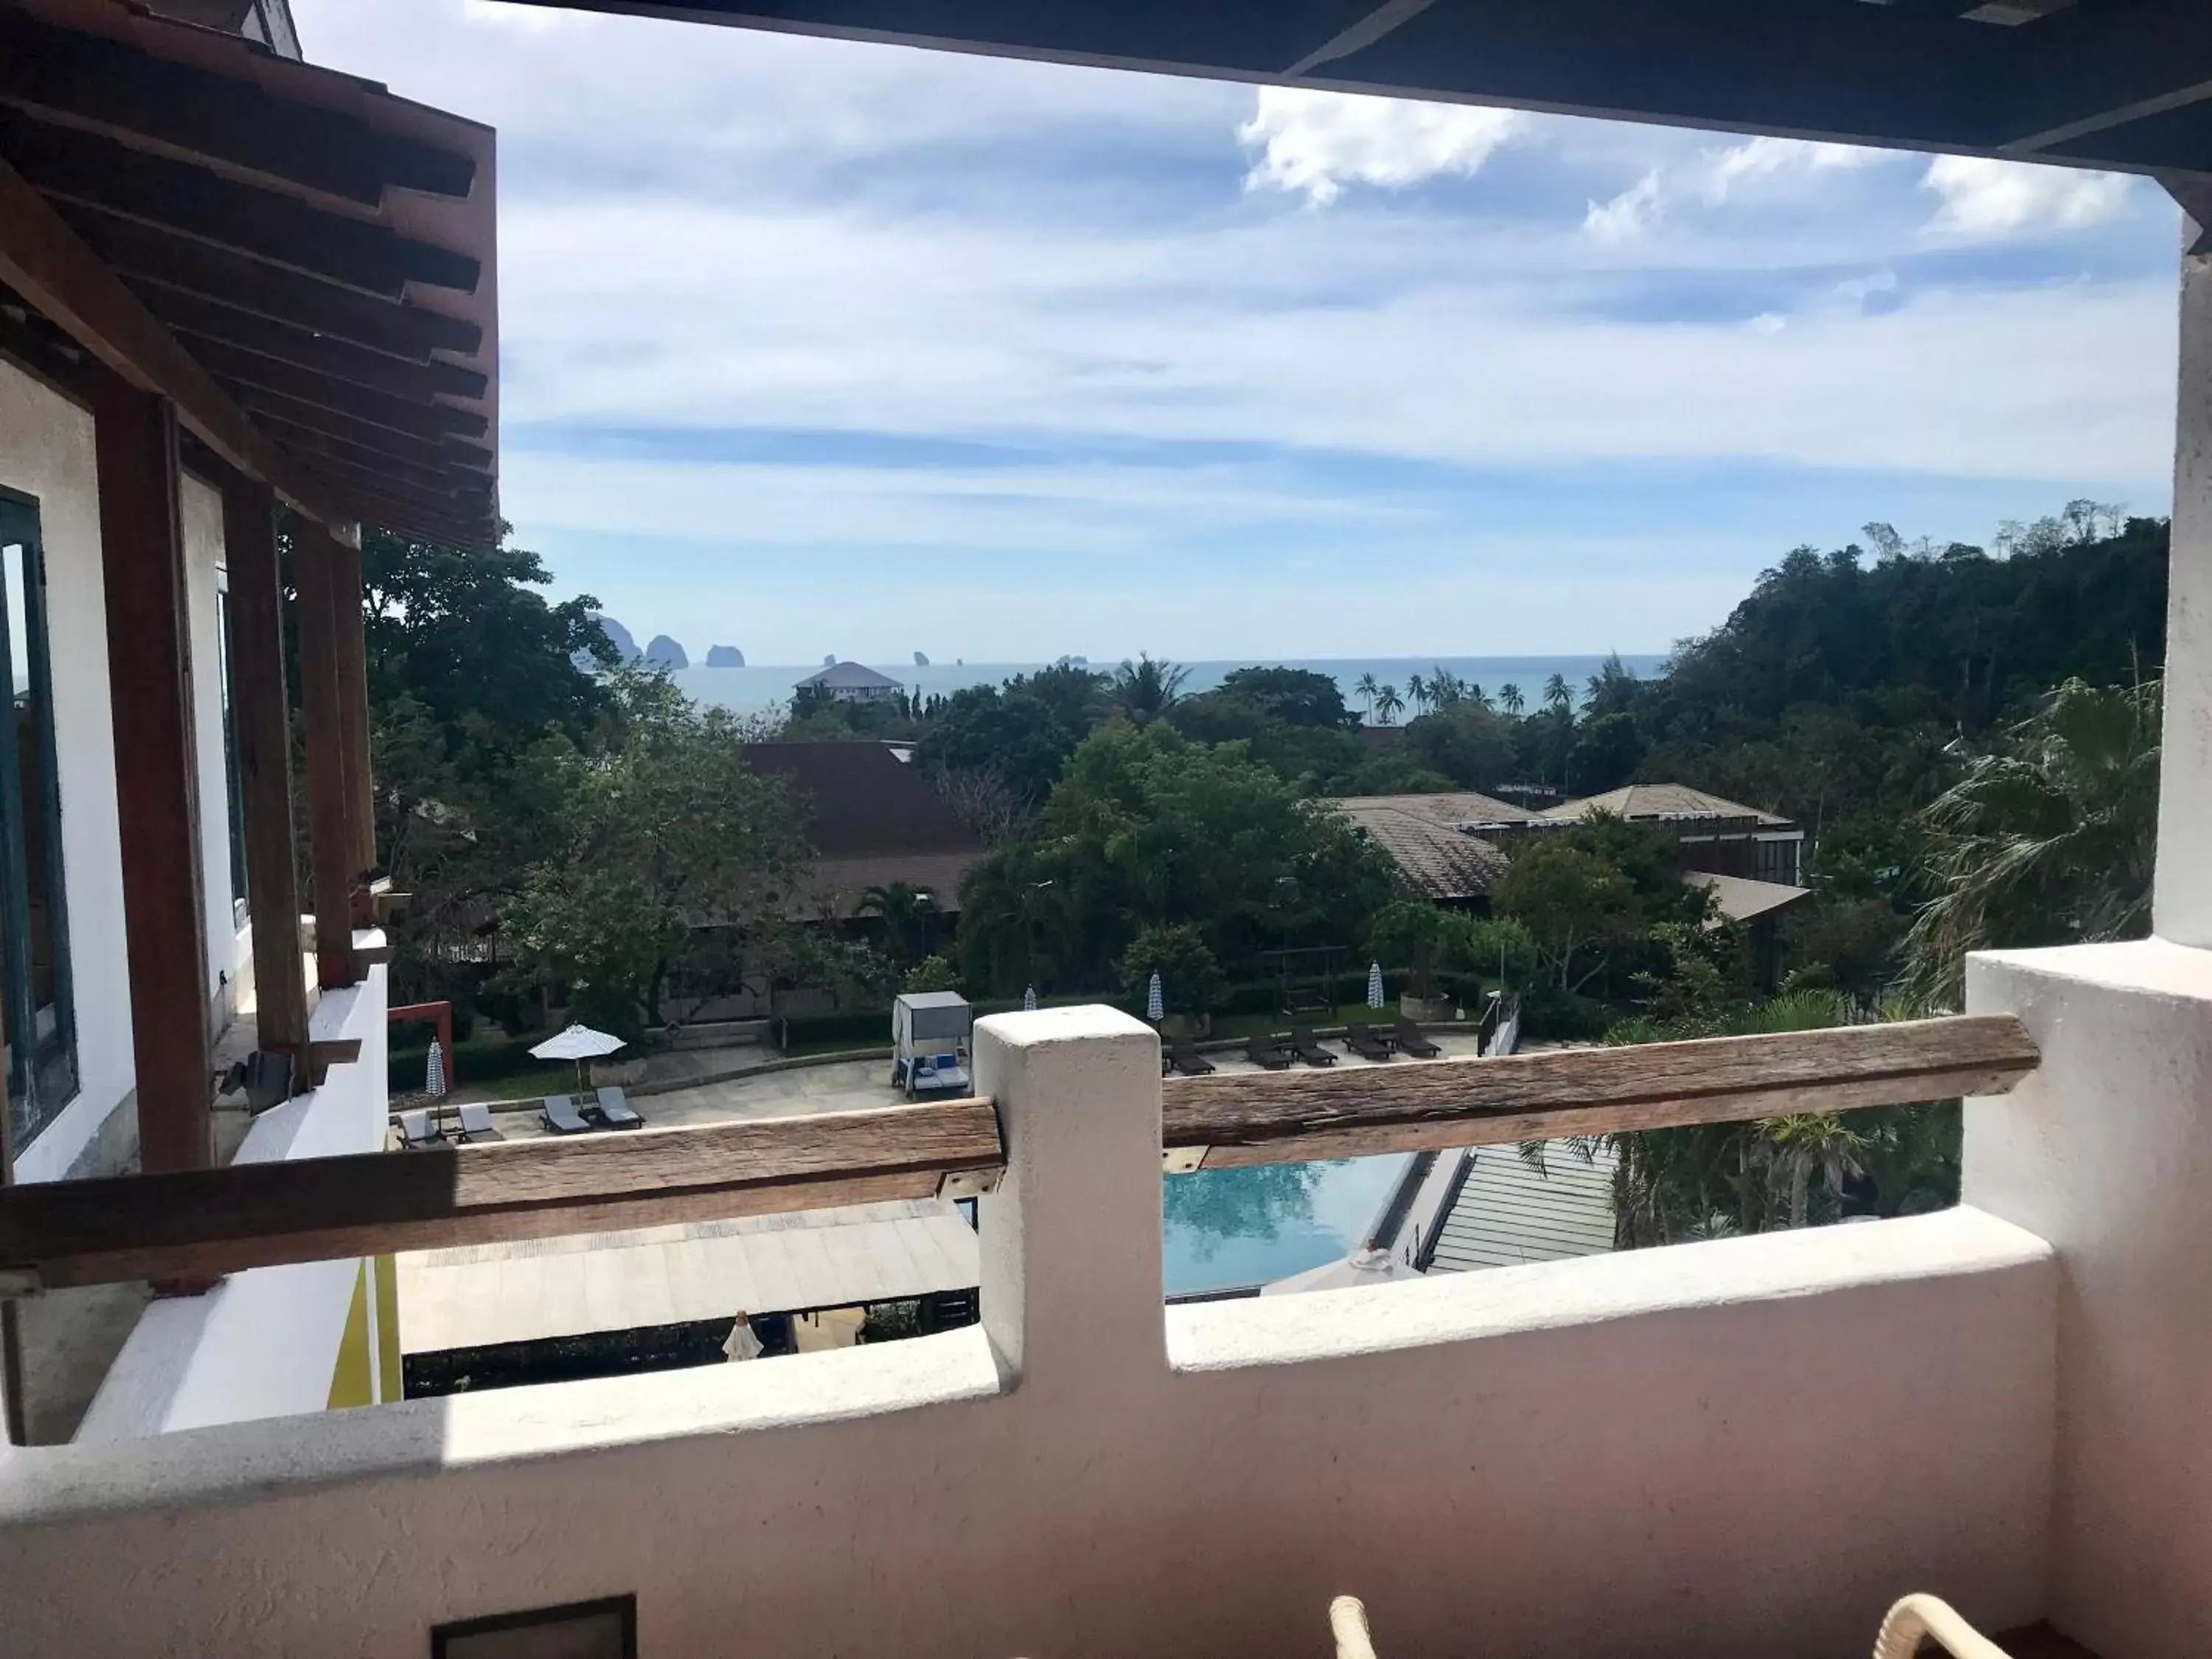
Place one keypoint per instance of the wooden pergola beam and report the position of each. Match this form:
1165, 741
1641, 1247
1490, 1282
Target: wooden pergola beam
191, 200
114, 89
437, 452
446, 472
147, 254
429, 422
45, 262
194, 316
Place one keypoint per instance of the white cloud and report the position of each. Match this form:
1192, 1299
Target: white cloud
1630, 214
1714, 177
1758, 159
1986, 199
1318, 142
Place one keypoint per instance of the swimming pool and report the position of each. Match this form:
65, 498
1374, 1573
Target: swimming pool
1226, 1228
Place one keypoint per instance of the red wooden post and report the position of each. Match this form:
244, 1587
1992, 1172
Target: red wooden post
157, 798
329, 819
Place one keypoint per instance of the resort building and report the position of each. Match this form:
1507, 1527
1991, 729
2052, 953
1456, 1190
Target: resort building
846, 682
1721, 837
247, 307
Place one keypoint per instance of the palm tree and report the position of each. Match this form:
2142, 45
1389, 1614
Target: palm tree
1445, 688
1417, 689
1478, 697
1364, 686
1388, 703
1147, 689
1556, 694
907, 912
2049, 841
1509, 699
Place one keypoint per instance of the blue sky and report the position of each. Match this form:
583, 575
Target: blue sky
811, 346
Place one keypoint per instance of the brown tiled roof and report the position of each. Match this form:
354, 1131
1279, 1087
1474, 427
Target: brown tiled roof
867, 803
1673, 803
1435, 859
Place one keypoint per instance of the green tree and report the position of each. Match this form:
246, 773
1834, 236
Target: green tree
1388, 705
1146, 689
1576, 908
670, 854
478, 687
1149, 828
1557, 694
1511, 699
931, 973
1022, 731
908, 912
1191, 981
1468, 743
2048, 841
1368, 689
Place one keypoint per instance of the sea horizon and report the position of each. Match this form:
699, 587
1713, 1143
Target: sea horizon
759, 687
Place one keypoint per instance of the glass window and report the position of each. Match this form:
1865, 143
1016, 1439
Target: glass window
232, 787
36, 1003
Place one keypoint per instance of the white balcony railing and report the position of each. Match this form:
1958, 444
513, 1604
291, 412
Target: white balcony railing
1753, 1445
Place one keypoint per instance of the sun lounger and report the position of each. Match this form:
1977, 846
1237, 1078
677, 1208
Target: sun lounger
1187, 1060
419, 1129
1412, 1042
613, 1110
1303, 1045
559, 1114
1266, 1052
1367, 1043
477, 1124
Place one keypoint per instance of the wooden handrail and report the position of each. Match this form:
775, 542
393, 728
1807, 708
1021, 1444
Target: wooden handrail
258, 1215
261, 1215
1260, 1117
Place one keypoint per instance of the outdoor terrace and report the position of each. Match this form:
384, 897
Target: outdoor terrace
1752, 1444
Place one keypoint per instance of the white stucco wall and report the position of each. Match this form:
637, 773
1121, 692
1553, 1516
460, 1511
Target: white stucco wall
1749, 1446
261, 1344
229, 947
46, 451
2106, 1150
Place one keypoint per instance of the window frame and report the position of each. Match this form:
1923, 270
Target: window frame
43, 1074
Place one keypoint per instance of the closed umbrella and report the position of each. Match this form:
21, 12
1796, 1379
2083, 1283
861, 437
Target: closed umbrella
1029, 1000
1155, 1008
579, 1043
433, 1084
1375, 985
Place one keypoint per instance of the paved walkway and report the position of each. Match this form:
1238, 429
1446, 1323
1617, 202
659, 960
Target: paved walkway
851, 1085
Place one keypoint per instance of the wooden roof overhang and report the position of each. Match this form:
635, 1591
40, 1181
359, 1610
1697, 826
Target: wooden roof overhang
2119, 84
304, 264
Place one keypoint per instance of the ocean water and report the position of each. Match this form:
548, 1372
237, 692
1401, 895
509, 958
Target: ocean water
754, 690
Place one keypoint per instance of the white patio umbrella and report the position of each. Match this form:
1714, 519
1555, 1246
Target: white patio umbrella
1155, 1009
579, 1043
1375, 985
1029, 1000
433, 1084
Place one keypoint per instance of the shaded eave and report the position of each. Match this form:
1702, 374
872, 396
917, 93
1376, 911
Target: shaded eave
304, 264
2122, 84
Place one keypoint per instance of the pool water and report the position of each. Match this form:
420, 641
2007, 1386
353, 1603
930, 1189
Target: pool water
1229, 1228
